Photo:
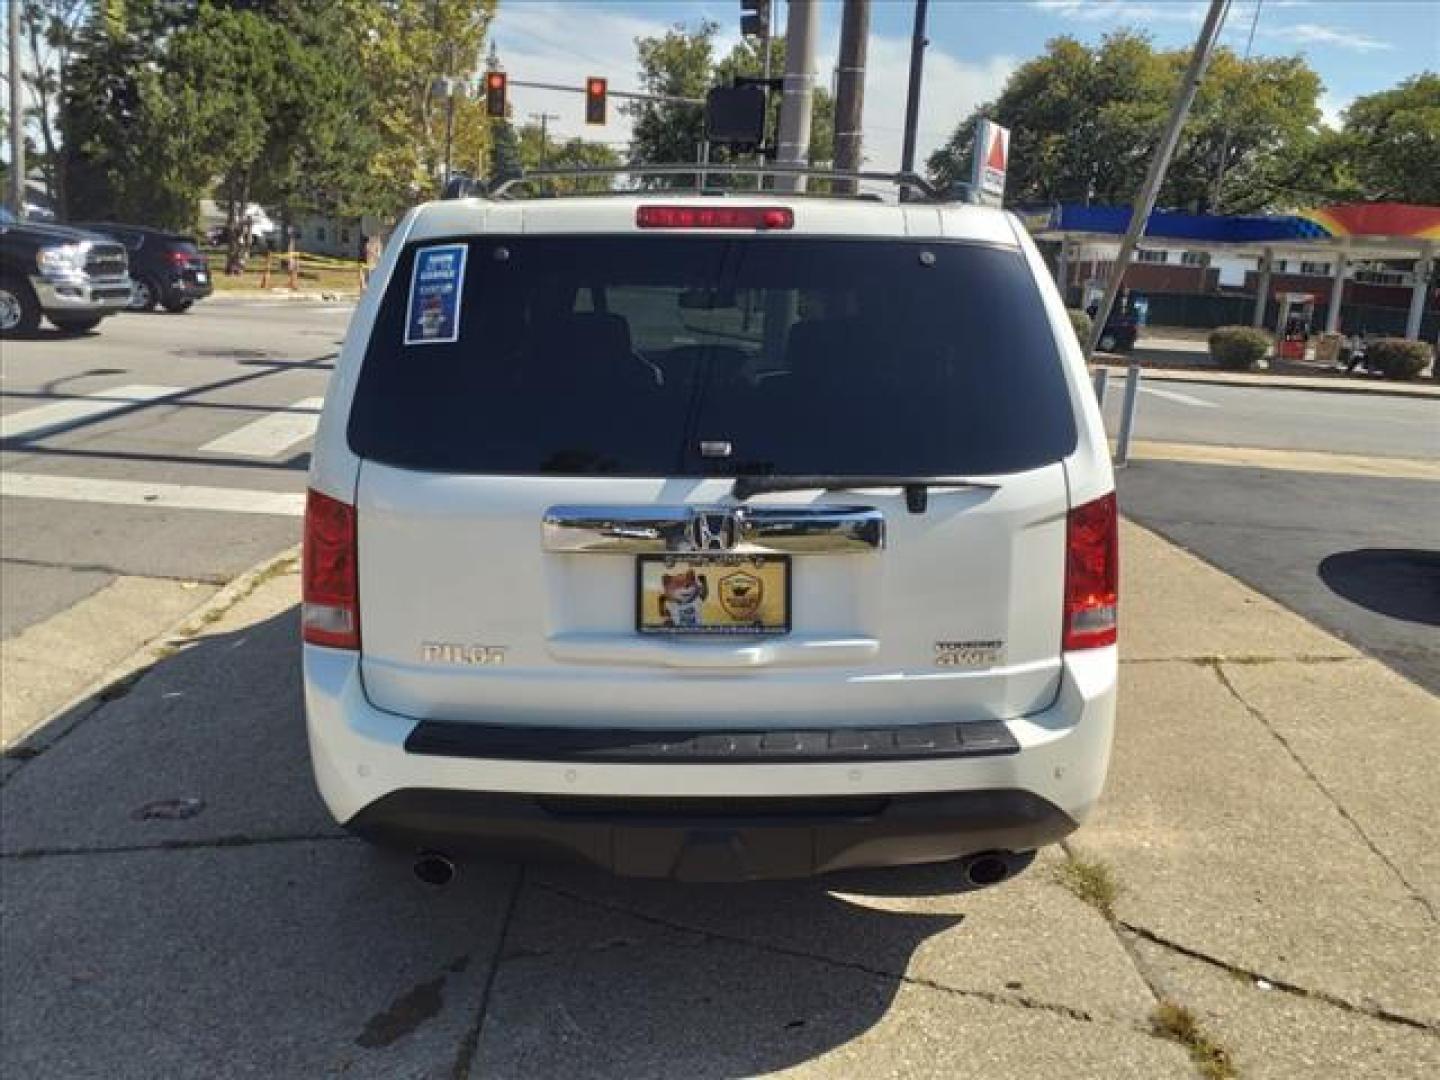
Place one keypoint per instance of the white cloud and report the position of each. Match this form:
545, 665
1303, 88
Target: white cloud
1316, 34
1124, 10
555, 42
951, 90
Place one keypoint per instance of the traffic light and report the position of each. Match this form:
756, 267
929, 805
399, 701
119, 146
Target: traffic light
495, 91
755, 19
595, 94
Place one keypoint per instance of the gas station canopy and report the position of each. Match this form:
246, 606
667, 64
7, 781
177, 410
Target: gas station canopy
1346, 233
1374, 230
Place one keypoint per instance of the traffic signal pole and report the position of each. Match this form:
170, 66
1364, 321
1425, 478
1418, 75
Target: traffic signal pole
793, 145
917, 78
17, 117
850, 89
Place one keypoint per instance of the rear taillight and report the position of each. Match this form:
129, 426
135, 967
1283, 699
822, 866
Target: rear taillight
330, 613
179, 258
1092, 574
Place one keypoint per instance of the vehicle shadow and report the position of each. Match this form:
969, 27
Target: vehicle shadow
175, 894
49, 333
1399, 583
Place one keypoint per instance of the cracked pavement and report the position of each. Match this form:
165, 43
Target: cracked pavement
176, 902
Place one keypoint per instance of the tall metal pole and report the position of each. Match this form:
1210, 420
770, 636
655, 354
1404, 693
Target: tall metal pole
793, 145
17, 117
1140, 213
850, 89
917, 76
450, 87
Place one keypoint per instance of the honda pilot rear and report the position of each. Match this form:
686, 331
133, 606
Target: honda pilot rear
711, 538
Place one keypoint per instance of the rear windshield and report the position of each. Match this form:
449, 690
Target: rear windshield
700, 356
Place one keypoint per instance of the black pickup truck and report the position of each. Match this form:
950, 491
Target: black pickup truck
70, 277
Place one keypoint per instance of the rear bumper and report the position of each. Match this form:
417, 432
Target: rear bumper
714, 818
717, 839
184, 288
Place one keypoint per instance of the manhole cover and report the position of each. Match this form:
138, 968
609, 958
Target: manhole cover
224, 354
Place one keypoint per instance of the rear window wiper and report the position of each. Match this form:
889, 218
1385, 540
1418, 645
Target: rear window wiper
916, 488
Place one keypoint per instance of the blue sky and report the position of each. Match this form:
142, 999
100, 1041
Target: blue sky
1357, 47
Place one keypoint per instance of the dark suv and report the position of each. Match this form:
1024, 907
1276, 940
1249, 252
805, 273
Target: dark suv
167, 269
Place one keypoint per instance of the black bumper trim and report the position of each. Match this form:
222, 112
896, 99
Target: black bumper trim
521, 742
735, 838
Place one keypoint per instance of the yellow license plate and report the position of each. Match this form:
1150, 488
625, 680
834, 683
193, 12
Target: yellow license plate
713, 594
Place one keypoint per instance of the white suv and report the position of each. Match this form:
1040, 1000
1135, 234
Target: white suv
712, 537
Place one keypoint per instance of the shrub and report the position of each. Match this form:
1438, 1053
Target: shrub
1397, 358
1080, 323
1238, 348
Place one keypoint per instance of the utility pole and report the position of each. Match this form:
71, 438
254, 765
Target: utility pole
1140, 213
793, 145
544, 119
17, 117
912, 98
850, 90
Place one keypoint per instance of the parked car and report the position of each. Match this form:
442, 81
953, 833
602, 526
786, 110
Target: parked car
743, 536
70, 277
167, 268
1121, 329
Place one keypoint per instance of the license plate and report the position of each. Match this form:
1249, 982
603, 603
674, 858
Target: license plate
200, 278
713, 594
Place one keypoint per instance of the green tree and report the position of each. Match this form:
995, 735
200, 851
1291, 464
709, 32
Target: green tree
682, 63
1085, 121
537, 150
408, 44
50, 29
110, 158
1393, 141
679, 63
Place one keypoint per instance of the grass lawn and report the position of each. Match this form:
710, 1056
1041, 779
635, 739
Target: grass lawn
324, 278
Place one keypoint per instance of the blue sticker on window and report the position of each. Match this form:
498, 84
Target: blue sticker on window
433, 317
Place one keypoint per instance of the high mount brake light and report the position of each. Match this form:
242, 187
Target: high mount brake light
715, 217
1092, 575
330, 587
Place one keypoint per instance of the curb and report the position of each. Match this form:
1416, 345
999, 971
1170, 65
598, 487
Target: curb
310, 296
1321, 386
97, 693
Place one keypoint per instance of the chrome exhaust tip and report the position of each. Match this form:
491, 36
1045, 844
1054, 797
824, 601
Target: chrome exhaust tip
434, 868
987, 868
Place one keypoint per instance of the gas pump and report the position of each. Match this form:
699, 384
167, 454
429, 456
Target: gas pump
1292, 329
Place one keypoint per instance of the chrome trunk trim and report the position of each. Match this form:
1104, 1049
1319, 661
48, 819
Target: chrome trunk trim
644, 530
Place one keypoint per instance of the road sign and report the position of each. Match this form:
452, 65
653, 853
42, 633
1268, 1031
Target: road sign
992, 157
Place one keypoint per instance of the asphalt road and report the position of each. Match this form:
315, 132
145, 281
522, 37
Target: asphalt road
1360, 557
1336, 423
144, 400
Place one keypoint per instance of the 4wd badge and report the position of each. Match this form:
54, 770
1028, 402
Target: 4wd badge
741, 594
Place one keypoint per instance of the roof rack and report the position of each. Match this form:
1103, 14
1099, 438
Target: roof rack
501, 189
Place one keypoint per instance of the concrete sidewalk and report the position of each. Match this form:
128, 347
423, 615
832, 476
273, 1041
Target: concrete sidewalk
177, 903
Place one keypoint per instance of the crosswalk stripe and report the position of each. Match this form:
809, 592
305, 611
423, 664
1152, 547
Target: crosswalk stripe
271, 435
48, 419
1183, 399
141, 493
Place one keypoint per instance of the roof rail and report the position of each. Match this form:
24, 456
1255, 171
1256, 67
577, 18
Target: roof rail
501, 189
